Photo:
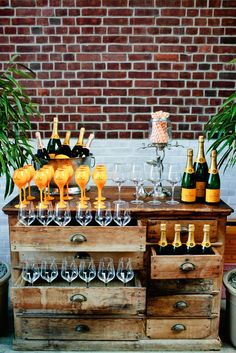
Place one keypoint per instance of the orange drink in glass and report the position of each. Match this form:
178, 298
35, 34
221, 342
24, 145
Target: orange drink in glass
40, 179
60, 178
19, 180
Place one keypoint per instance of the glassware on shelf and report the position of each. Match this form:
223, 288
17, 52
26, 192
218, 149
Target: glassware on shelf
51, 171
122, 214
99, 178
83, 214
49, 270
40, 179
137, 177
82, 178
19, 179
62, 215
26, 214
86, 167
60, 178
27, 180
30, 271
32, 173
45, 215
125, 271
69, 270
87, 270
173, 177
70, 172
103, 216
119, 177
154, 176
106, 270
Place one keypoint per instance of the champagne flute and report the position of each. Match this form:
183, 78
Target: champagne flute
106, 270
82, 178
83, 214
103, 216
100, 178
47, 171
40, 179
32, 173
154, 176
125, 271
119, 177
51, 170
173, 177
62, 215
30, 271
70, 172
45, 215
86, 167
122, 214
26, 214
27, 180
137, 177
69, 270
87, 270
100, 167
60, 178
49, 271
19, 180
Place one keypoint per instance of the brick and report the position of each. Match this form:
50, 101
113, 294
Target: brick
123, 12
166, 57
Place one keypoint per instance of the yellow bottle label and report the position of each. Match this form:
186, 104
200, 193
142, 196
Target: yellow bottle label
189, 170
201, 160
188, 195
213, 171
212, 195
200, 188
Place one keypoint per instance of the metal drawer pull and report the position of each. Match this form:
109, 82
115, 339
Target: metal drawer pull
81, 328
78, 238
187, 267
178, 328
181, 305
78, 298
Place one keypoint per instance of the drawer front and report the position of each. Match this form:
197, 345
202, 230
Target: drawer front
154, 229
109, 300
184, 286
178, 328
185, 266
180, 305
94, 238
81, 329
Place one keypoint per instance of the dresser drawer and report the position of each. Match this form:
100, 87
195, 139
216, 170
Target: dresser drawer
67, 328
180, 305
76, 238
60, 298
178, 328
153, 232
185, 266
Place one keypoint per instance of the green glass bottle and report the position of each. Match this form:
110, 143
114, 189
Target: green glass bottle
201, 170
177, 248
54, 142
163, 247
206, 243
190, 244
78, 147
188, 185
213, 182
65, 147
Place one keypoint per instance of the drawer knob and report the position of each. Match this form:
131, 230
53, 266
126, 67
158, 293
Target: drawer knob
78, 298
181, 305
187, 267
178, 328
78, 238
81, 328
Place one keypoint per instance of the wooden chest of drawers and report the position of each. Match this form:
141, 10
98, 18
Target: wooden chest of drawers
172, 304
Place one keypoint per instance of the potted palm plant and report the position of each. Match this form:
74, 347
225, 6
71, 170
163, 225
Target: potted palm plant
16, 108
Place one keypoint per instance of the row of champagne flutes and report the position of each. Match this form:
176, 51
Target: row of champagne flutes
86, 271
62, 216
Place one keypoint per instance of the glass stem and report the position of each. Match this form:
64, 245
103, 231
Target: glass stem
136, 191
172, 192
24, 190
99, 195
41, 195
20, 195
61, 195
29, 190
119, 190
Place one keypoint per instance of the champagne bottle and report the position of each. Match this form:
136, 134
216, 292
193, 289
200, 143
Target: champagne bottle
54, 142
86, 149
65, 147
41, 151
163, 247
213, 182
177, 244
77, 149
206, 243
190, 244
188, 185
201, 170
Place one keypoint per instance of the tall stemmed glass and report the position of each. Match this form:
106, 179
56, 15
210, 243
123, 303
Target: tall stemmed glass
106, 270
100, 178
173, 177
154, 176
82, 178
125, 271
70, 172
69, 270
86, 167
27, 180
119, 177
50, 176
30, 271
49, 271
40, 179
60, 178
87, 270
32, 173
137, 177
19, 180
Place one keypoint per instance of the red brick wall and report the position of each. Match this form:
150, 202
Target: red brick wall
106, 64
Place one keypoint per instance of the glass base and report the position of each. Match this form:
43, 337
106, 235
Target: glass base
119, 201
172, 202
154, 202
136, 202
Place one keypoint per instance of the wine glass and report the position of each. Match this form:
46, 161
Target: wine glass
154, 176
122, 214
27, 180
99, 178
40, 179
86, 167
106, 270
47, 171
119, 177
51, 171
60, 178
70, 172
103, 216
87, 270
125, 271
83, 214
30, 271
173, 177
45, 215
26, 214
62, 215
49, 271
32, 173
19, 180
69, 270
82, 178
137, 177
